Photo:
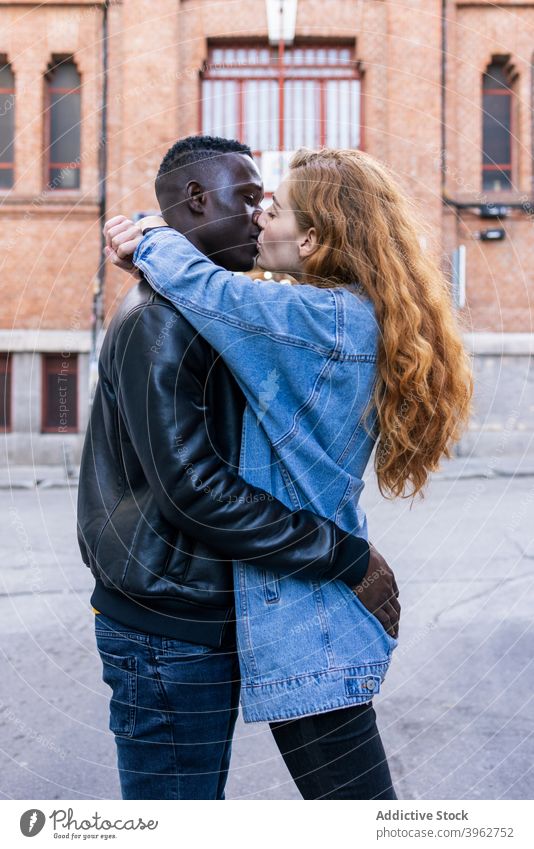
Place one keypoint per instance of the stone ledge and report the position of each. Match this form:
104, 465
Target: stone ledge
38, 341
500, 344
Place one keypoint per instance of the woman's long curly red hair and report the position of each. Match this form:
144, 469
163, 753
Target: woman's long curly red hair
369, 232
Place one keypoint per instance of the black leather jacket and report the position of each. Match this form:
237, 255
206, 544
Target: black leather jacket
162, 511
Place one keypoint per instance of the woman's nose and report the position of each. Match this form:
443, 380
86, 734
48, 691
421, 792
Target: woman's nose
259, 218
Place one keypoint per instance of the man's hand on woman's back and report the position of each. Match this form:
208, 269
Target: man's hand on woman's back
379, 593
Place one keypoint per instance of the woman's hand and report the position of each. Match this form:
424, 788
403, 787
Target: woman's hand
122, 237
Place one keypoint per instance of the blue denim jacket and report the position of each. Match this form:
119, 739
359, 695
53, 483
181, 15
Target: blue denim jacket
305, 359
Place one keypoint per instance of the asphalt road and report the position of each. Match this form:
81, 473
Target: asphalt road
455, 712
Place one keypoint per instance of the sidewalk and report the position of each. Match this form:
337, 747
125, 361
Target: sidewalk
458, 468
454, 713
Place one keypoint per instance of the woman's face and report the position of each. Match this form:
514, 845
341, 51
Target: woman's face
282, 246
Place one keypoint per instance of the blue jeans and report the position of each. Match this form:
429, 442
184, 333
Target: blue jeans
173, 710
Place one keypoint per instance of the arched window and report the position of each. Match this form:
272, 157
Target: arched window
497, 111
62, 128
7, 124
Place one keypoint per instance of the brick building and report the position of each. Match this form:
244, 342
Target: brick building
93, 94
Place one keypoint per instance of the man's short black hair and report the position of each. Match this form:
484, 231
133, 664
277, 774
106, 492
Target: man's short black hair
195, 148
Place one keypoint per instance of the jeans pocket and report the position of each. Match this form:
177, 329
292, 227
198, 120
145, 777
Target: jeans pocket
181, 651
120, 673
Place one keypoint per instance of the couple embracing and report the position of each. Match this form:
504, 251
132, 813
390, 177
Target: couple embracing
223, 463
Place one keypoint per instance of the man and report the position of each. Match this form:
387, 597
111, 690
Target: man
163, 512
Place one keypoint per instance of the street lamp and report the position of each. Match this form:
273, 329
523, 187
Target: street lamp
281, 24
281, 20
281, 27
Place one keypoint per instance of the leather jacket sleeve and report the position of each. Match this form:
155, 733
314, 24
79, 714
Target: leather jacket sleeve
159, 375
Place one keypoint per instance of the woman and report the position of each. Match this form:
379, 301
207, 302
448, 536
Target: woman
363, 349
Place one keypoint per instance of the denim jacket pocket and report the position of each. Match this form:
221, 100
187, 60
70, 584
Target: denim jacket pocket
271, 587
367, 613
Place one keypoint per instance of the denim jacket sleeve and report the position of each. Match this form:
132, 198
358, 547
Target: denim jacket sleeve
274, 337
178, 271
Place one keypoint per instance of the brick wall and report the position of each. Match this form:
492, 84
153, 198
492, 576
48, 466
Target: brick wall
50, 241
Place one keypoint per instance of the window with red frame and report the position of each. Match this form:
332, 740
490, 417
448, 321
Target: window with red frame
7, 124
62, 126
60, 393
497, 112
306, 95
5, 392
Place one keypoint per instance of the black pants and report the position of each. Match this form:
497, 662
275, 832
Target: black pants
336, 755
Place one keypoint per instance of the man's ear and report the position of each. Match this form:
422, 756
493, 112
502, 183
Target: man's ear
308, 243
195, 197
